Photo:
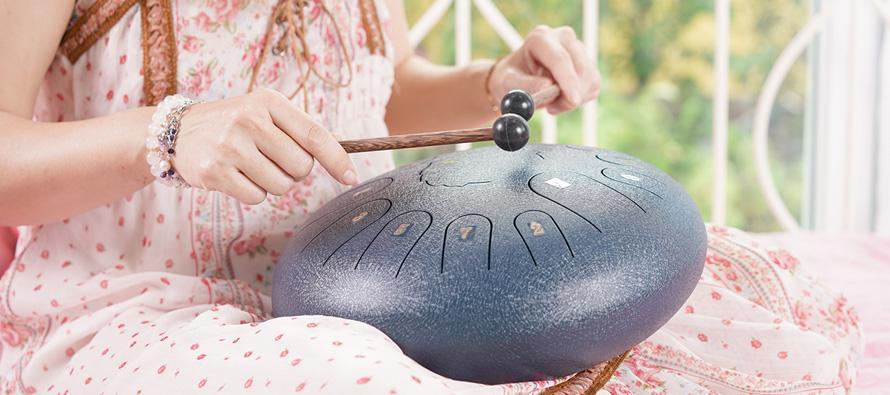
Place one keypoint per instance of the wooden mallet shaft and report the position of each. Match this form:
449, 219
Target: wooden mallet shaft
429, 139
546, 95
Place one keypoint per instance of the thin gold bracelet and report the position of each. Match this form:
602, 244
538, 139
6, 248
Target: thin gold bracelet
491, 100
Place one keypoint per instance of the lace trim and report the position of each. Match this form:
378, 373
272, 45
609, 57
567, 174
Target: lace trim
158, 40
158, 50
373, 30
92, 25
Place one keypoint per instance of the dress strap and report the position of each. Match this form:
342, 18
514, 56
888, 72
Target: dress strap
158, 50
373, 30
92, 25
158, 40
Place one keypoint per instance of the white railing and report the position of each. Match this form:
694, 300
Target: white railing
762, 114
506, 31
720, 117
720, 103
590, 34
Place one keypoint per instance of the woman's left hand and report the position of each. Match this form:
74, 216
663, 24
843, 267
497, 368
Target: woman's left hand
548, 56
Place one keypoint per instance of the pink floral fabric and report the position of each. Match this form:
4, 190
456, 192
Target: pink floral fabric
757, 323
166, 291
859, 266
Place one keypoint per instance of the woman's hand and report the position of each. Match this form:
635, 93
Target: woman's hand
549, 55
255, 144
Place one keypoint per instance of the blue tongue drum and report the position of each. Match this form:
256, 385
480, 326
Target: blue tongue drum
494, 266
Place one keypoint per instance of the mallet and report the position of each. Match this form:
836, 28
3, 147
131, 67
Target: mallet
510, 131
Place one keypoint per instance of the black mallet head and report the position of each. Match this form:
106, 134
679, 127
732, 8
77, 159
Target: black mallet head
510, 132
518, 102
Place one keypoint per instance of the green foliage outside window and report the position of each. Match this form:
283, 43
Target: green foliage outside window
656, 62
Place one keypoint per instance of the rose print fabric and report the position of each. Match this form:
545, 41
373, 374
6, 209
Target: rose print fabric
166, 291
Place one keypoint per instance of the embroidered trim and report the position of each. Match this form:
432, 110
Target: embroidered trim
92, 25
158, 40
158, 50
373, 30
669, 358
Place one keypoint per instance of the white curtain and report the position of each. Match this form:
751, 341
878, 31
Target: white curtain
882, 225
848, 187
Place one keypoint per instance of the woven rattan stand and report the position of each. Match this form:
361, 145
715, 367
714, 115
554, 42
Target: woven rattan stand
588, 381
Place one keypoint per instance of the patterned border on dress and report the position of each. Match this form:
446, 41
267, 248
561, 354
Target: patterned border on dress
158, 50
158, 40
371, 24
92, 25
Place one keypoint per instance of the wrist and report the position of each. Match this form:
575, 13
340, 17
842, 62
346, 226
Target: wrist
480, 74
139, 118
490, 85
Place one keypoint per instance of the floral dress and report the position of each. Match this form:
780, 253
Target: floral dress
166, 290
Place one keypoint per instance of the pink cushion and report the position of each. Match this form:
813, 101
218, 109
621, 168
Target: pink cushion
858, 266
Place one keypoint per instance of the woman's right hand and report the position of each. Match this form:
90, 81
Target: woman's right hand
255, 144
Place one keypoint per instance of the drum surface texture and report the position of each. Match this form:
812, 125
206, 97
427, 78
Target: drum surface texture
493, 266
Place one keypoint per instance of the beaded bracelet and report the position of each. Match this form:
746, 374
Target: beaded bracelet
161, 139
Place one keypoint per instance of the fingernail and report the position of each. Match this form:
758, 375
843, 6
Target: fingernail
349, 178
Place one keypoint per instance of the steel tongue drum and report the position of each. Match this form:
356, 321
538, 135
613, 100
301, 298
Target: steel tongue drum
495, 266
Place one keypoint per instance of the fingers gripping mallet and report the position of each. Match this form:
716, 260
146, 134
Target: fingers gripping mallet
510, 131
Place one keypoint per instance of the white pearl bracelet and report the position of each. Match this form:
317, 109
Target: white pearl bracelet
162, 133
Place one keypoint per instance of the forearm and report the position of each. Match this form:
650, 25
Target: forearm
50, 171
432, 97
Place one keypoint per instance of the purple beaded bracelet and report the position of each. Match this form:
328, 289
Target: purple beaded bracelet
160, 143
